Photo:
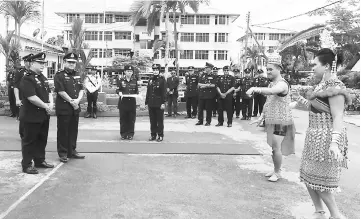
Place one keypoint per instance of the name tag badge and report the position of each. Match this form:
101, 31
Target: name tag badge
210, 78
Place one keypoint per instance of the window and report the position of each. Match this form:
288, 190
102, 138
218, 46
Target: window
108, 18
123, 35
101, 35
220, 55
274, 36
187, 19
202, 19
163, 35
221, 20
105, 53
101, 18
171, 54
108, 36
271, 49
91, 18
70, 35
202, 37
122, 18
260, 36
221, 37
71, 17
121, 52
51, 69
91, 35
201, 54
186, 54
156, 55
94, 53
285, 36
187, 37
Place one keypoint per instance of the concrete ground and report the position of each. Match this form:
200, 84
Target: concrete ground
167, 186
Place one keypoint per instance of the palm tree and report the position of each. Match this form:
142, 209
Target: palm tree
155, 10
78, 46
20, 11
255, 54
8, 46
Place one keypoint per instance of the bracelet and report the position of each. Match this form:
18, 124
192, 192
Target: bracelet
336, 138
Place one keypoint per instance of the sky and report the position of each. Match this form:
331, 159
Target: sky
261, 11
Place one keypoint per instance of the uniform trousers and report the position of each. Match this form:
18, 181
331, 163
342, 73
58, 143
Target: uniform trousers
215, 106
156, 117
92, 101
208, 105
34, 142
225, 105
172, 103
191, 104
247, 107
67, 134
12, 101
127, 115
259, 101
237, 105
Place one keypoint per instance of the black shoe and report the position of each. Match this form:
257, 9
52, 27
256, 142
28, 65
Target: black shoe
160, 138
63, 159
130, 137
249, 118
12, 115
229, 125
87, 115
30, 170
244, 118
123, 138
168, 115
193, 117
237, 117
77, 156
254, 116
152, 138
44, 164
207, 124
219, 124
199, 123
95, 116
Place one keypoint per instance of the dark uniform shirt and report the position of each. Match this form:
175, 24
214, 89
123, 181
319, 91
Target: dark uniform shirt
237, 83
192, 85
127, 87
207, 93
261, 82
20, 73
65, 80
172, 84
38, 85
246, 83
156, 92
226, 82
11, 78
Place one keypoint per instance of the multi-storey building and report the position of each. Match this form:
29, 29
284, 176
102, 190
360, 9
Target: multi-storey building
202, 37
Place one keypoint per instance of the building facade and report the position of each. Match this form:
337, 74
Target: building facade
202, 37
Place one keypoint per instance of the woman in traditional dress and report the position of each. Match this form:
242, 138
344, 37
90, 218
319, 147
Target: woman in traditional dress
325, 150
277, 115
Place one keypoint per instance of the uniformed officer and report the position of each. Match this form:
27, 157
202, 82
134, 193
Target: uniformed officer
35, 114
155, 99
236, 94
127, 91
215, 73
207, 95
69, 89
172, 92
247, 101
259, 99
92, 84
225, 88
191, 93
10, 84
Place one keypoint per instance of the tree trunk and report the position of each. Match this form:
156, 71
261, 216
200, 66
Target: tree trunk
176, 42
166, 43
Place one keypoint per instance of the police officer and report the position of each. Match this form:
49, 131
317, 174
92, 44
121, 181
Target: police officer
127, 91
155, 99
207, 95
18, 94
215, 73
92, 84
236, 94
191, 93
35, 114
172, 92
225, 87
10, 83
259, 99
247, 101
69, 89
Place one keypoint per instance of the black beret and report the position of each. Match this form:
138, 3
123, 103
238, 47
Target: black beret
226, 67
128, 67
190, 68
25, 58
71, 57
40, 57
260, 71
247, 71
215, 69
156, 66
